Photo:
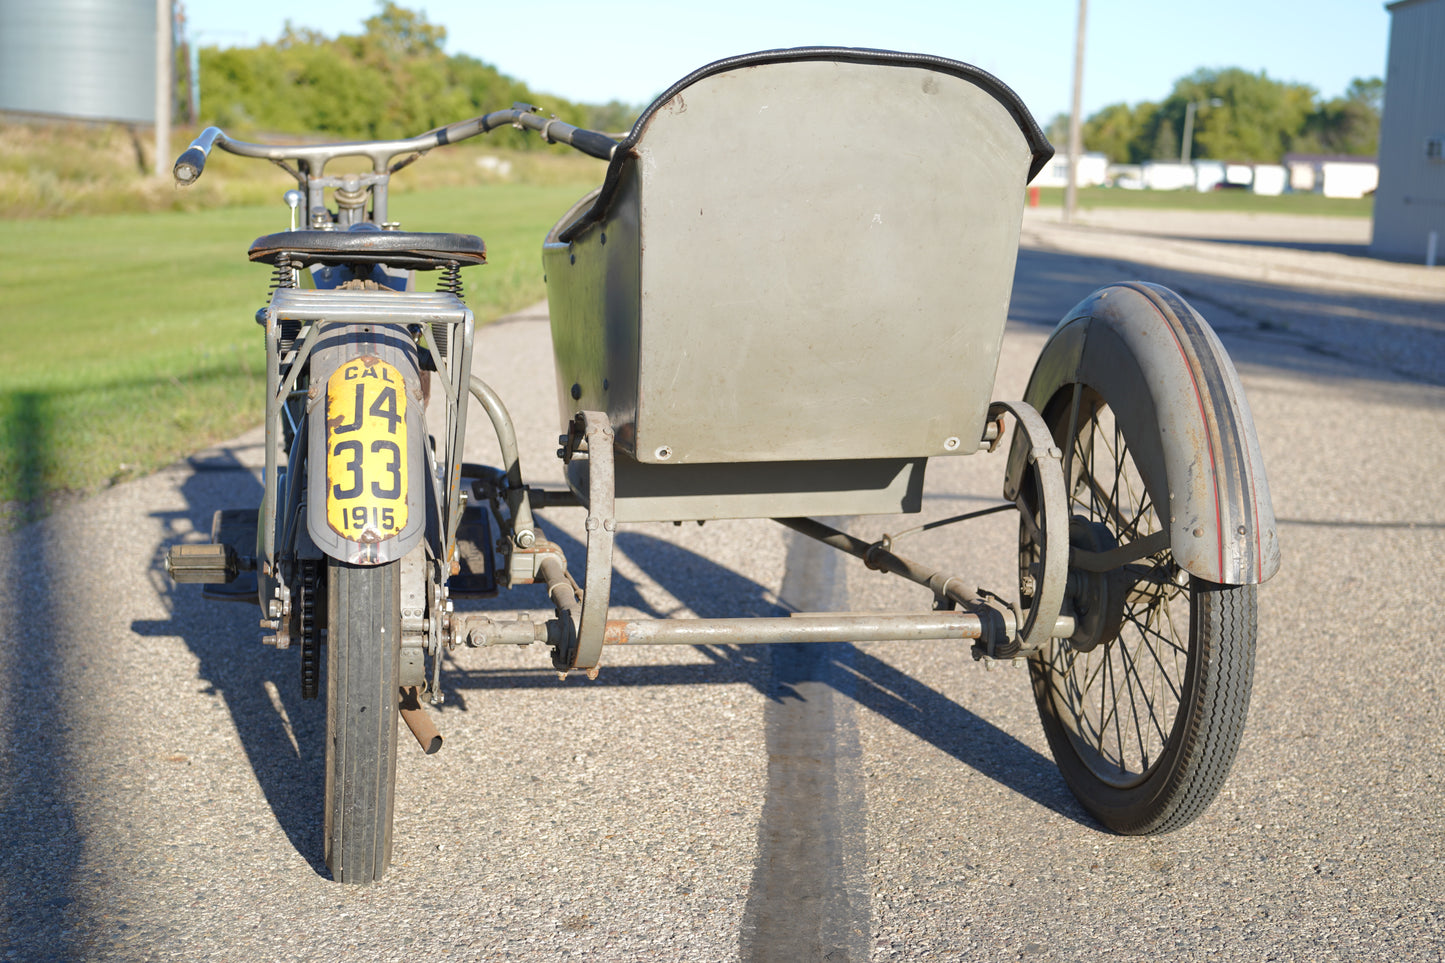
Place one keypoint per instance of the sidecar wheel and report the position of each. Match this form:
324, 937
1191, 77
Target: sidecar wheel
1145, 706
362, 693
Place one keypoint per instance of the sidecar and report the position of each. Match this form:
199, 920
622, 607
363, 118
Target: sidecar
789, 294
790, 290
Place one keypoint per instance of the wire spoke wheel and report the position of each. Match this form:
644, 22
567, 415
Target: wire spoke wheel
1143, 710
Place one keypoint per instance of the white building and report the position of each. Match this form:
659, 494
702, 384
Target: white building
1208, 174
1093, 170
1410, 201
1269, 179
1168, 175
1332, 176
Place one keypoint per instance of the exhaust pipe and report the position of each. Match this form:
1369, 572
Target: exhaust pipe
418, 721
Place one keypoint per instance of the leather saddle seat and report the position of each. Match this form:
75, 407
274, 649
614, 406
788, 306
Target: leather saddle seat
402, 249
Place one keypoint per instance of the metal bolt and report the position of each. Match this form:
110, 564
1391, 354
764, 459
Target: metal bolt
663, 453
950, 444
526, 539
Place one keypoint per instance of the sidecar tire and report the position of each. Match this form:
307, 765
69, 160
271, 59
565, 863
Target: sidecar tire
1145, 717
362, 695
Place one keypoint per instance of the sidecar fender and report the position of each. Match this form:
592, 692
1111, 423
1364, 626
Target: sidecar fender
1176, 394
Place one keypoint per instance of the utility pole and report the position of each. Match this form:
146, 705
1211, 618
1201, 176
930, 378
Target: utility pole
1186, 143
1076, 128
163, 87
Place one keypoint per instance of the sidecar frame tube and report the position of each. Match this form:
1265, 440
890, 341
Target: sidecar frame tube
841, 627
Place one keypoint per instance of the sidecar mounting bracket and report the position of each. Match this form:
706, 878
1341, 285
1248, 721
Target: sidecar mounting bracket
594, 429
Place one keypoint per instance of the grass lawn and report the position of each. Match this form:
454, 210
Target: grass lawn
129, 340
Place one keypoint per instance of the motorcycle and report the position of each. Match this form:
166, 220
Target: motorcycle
765, 310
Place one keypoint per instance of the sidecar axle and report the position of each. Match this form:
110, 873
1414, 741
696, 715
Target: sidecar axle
479, 629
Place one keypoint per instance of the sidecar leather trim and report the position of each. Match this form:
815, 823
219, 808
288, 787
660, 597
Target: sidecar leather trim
1040, 148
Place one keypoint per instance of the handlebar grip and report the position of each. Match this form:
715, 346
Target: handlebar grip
189, 166
593, 143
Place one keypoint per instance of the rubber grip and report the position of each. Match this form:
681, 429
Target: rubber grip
189, 165
591, 142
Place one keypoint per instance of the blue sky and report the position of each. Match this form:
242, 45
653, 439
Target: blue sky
630, 50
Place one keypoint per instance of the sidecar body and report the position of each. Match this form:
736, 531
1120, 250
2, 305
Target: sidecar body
791, 288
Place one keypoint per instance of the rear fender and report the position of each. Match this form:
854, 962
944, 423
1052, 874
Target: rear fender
1166, 375
367, 499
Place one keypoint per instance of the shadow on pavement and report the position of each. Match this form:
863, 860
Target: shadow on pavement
259, 686
714, 591
1320, 247
42, 842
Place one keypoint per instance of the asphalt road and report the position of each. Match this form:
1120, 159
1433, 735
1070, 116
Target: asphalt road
161, 777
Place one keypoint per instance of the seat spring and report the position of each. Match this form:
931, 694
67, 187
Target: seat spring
451, 280
281, 276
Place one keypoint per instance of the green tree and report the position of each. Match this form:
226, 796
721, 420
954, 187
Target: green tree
612, 117
392, 80
1240, 115
1120, 131
1348, 124
1163, 141
1057, 131
396, 32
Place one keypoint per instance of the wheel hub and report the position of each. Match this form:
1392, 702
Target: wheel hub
1098, 597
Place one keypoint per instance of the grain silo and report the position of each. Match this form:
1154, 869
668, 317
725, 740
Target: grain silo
87, 59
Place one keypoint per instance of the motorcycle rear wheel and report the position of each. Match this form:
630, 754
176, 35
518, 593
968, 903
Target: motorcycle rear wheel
362, 695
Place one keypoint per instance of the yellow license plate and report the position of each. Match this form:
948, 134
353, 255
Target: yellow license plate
366, 464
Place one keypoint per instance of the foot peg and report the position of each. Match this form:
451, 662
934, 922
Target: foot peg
202, 563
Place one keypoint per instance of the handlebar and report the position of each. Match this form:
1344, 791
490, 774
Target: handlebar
313, 158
